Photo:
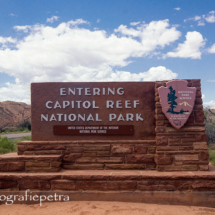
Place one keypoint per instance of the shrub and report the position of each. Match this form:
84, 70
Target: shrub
210, 131
212, 157
25, 126
9, 130
6, 145
209, 125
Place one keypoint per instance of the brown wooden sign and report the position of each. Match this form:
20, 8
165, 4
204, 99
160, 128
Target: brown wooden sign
93, 130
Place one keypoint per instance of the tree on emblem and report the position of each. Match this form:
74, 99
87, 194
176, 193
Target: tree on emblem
171, 100
173, 104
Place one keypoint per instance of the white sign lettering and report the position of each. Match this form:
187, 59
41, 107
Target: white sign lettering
91, 104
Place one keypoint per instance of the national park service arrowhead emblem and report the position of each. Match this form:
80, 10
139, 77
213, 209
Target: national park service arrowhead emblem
177, 101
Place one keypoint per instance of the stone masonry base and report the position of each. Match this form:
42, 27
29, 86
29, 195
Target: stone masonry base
119, 154
181, 188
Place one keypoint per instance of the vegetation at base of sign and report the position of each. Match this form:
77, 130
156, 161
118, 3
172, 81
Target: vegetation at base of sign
210, 124
211, 156
15, 141
210, 132
7, 145
21, 128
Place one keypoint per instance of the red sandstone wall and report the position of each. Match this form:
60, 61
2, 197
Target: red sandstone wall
94, 154
184, 148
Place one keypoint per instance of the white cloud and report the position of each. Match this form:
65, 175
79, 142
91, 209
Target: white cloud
52, 19
190, 48
98, 20
177, 8
70, 53
201, 23
77, 22
212, 49
12, 14
134, 23
156, 34
209, 104
24, 28
15, 92
203, 96
201, 19
195, 18
4, 40
157, 74
211, 80
210, 17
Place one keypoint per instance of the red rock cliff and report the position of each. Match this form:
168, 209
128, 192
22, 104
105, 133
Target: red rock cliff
14, 113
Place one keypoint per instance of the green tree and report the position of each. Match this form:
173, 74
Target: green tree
171, 100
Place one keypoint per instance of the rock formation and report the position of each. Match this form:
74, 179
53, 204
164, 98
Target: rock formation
14, 113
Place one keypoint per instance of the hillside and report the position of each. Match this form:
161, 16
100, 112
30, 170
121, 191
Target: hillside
14, 113
210, 114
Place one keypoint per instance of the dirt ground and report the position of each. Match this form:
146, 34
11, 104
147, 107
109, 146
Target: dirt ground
102, 208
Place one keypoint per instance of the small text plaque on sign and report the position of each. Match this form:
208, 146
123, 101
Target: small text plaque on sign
93, 130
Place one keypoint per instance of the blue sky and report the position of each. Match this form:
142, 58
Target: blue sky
91, 40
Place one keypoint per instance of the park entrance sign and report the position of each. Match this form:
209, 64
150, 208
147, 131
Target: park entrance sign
110, 127
119, 125
121, 130
70, 111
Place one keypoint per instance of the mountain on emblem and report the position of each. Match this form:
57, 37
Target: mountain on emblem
177, 101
